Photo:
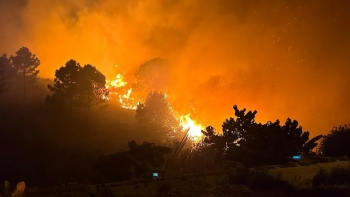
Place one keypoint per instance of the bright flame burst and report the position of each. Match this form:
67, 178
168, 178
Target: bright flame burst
195, 129
119, 87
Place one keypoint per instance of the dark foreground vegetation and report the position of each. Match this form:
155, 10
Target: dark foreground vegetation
55, 133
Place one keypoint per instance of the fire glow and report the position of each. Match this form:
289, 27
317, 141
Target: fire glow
119, 87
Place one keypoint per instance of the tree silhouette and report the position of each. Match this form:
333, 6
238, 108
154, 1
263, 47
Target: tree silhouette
78, 86
311, 144
153, 75
25, 65
243, 139
336, 143
92, 89
65, 83
9, 73
3, 87
155, 116
138, 161
149, 152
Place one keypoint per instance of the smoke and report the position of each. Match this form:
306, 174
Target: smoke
283, 58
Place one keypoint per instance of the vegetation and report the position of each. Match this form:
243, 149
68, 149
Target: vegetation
63, 134
147, 114
2, 79
75, 85
335, 144
152, 75
246, 141
25, 65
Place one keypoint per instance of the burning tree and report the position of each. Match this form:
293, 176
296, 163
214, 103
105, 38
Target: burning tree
153, 75
91, 89
75, 85
155, 116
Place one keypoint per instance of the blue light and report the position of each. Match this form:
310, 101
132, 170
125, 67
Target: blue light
155, 174
296, 157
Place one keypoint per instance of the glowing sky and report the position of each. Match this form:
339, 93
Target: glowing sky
284, 58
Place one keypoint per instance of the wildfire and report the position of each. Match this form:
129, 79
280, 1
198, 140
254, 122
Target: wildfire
127, 102
195, 129
119, 87
117, 82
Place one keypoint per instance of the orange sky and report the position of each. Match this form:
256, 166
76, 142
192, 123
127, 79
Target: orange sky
283, 58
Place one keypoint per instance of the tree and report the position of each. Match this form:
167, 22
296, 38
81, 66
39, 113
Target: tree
336, 143
153, 75
148, 152
79, 86
65, 83
243, 139
138, 161
92, 89
311, 144
25, 65
8, 72
156, 116
3, 87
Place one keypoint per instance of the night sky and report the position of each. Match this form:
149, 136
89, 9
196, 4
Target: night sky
283, 58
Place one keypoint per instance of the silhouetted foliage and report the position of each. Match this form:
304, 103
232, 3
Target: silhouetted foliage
155, 116
78, 86
311, 144
336, 143
243, 139
9, 73
149, 152
65, 83
67, 149
188, 159
25, 64
153, 75
92, 89
3, 86
336, 176
137, 162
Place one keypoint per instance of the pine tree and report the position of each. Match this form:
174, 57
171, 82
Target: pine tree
25, 65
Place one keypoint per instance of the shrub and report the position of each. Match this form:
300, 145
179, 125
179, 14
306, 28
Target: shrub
239, 175
322, 177
336, 176
340, 176
263, 181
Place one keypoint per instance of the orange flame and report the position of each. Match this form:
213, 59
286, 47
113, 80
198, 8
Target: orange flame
117, 82
194, 129
118, 86
128, 102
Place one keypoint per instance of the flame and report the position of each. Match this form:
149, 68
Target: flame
119, 87
128, 102
195, 129
117, 82
105, 98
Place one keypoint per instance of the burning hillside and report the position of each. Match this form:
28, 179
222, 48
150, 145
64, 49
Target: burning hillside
129, 99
